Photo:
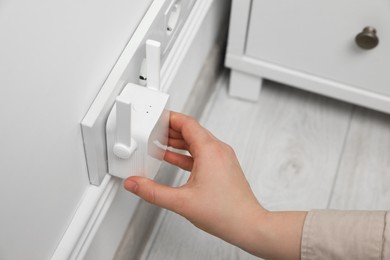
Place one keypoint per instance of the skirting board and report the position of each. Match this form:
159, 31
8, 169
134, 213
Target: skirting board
308, 82
106, 210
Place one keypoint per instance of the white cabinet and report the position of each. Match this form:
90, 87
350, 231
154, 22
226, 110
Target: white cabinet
311, 45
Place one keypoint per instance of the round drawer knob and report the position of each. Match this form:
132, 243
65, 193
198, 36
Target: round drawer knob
367, 39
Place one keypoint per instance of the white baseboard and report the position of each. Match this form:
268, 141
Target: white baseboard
106, 210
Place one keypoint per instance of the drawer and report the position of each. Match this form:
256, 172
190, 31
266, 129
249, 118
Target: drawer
318, 38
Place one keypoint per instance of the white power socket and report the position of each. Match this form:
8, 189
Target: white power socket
137, 132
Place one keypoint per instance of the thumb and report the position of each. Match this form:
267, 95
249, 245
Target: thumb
153, 192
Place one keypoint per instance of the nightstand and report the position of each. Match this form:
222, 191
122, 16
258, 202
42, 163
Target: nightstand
340, 49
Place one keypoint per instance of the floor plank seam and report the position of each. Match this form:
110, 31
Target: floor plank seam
341, 156
221, 83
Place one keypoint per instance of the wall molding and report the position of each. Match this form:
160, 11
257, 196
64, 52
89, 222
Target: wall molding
89, 215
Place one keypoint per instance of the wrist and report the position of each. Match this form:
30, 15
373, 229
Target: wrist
258, 233
249, 231
277, 235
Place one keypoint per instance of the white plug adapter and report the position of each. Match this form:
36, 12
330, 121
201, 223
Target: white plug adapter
137, 132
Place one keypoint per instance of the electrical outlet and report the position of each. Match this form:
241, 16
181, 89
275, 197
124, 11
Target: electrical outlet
172, 16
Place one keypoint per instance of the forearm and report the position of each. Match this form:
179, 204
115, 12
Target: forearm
273, 235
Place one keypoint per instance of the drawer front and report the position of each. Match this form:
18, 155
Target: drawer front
318, 38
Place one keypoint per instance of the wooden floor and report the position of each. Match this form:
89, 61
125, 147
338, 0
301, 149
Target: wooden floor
299, 151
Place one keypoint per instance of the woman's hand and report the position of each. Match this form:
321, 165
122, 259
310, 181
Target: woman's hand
217, 198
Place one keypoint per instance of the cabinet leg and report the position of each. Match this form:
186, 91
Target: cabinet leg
244, 86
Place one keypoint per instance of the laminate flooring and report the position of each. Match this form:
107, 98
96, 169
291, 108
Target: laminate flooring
299, 151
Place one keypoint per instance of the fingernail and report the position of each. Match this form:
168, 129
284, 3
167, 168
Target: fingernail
131, 186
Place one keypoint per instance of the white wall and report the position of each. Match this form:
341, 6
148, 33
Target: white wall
54, 57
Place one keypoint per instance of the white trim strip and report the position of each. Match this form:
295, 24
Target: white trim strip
87, 219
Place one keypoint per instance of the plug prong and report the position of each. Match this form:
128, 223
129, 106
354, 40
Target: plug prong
153, 64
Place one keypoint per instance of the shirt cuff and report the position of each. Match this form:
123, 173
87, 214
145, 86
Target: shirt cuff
333, 234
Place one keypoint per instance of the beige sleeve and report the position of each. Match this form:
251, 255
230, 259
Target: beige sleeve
386, 235
333, 234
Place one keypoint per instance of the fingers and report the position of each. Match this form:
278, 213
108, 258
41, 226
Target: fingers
174, 134
178, 144
183, 161
153, 192
175, 140
191, 131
